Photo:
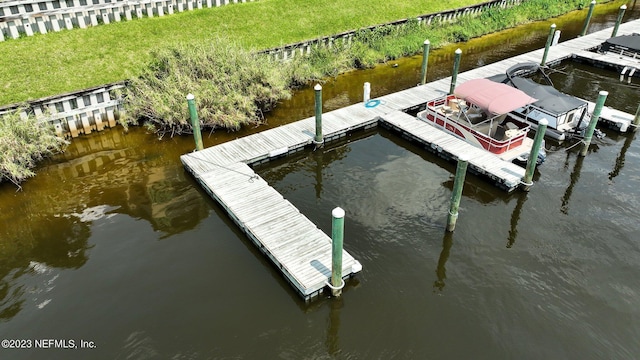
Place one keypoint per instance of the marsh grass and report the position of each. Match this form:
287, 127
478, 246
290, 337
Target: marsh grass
23, 143
232, 86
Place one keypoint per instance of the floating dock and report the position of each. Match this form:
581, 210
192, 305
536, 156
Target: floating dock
290, 240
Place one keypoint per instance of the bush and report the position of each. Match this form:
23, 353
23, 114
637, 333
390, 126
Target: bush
232, 87
24, 142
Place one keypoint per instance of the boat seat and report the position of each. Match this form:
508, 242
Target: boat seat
475, 118
510, 126
499, 133
454, 104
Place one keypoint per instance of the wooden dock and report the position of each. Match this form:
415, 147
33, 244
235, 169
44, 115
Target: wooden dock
291, 241
299, 249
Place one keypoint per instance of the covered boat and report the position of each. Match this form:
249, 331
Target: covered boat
567, 115
628, 45
479, 112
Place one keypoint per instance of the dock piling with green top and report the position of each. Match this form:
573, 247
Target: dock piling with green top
195, 122
532, 161
318, 138
588, 19
602, 96
337, 238
425, 60
552, 30
456, 67
456, 195
618, 20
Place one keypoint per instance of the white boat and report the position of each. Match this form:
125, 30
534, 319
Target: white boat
567, 115
479, 112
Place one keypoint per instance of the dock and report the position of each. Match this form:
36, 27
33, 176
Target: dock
292, 242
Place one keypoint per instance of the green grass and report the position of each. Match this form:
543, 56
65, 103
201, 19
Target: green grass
55, 63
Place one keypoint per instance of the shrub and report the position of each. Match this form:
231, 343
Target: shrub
232, 87
24, 142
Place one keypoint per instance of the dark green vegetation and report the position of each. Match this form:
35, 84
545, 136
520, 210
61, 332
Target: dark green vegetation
233, 87
24, 142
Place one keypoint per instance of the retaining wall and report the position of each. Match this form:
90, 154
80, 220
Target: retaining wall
29, 17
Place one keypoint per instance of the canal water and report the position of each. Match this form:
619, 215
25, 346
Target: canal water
115, 250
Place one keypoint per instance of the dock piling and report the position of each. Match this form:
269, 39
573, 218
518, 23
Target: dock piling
556, 38
318, 138
588, 19
552, 30
532, 161
618, 20
425, 60
602, 96
367, 92
456, 67
337, 237
195, 122
456, 195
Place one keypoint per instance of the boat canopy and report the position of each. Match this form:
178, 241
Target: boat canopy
492, 96
549, 98
629, 43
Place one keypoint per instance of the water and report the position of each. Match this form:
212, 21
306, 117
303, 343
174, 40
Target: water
113, 243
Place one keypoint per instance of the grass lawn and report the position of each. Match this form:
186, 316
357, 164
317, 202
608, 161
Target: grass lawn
55, 63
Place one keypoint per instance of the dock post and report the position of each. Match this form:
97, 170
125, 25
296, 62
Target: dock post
425, 59
456, 67
458, 185
366, 96
527, 180
552, 30
195, 122
337, 236
619, 20
636, 119
602, 96
588, 19
556, 38
318, 139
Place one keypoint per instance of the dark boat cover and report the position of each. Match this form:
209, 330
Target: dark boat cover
630, 42
549, 98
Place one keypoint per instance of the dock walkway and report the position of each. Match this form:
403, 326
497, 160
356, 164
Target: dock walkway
290, 240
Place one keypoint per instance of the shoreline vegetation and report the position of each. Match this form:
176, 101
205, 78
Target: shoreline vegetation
23, 143
234, 85
232, 99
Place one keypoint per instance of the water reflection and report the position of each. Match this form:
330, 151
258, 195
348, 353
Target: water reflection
619, 164
515, 217
573, 180
441, 270
49, 222
28, 249
333, 326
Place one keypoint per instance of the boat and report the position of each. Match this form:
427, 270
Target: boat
567, 116
479, 112
627, 45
